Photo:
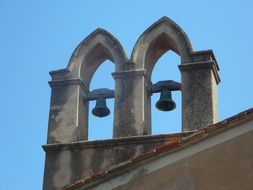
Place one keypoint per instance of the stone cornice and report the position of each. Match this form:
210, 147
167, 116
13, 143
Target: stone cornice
129, 73
66, 82
112, 142
201, 65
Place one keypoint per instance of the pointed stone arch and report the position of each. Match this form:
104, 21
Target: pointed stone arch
99, 46
160, 37
195, 67
69, 108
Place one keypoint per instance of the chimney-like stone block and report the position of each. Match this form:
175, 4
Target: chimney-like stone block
68, 116
199, 94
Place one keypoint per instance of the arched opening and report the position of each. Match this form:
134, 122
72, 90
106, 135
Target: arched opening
166, 68
102, 128
89, 62
162, 36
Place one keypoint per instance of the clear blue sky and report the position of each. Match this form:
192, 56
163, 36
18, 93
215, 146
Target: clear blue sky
39, 36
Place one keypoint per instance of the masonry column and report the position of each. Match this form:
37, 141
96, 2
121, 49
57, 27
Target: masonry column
199, 91
131, 92
68, 116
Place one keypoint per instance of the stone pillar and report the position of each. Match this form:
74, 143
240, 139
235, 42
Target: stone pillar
199, 96
132, 106
68, 116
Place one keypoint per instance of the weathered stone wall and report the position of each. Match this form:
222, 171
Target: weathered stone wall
68, 162
68, 119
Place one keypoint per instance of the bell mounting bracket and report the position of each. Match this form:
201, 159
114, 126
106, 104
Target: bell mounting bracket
165, 84
100, 93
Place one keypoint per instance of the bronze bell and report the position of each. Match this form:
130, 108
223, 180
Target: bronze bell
165, 103
101, 110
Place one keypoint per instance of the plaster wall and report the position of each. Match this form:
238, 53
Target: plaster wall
226, 166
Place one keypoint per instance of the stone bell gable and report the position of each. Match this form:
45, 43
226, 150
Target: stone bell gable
69, 154
69, 108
